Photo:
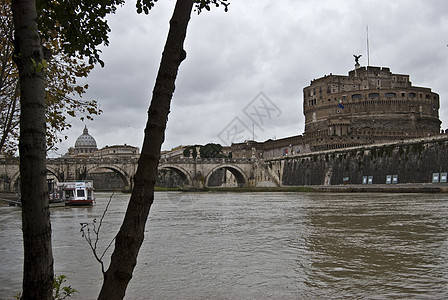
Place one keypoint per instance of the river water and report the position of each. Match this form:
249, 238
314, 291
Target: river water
257, 246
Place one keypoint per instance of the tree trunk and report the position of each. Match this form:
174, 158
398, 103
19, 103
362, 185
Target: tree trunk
36, 228
130, 236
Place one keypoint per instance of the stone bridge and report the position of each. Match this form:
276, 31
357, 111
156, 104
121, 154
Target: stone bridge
197, 172
410, 161
193, 172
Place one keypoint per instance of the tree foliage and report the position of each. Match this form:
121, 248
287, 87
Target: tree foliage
146, 5
64, 71
81, 25
64, 93
9, 93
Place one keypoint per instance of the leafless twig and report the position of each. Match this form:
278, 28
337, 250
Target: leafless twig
85, 230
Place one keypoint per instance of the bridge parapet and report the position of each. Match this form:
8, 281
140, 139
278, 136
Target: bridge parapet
92, 160
189, 160
9, 160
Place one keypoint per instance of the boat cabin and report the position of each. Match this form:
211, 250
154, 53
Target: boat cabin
77, 192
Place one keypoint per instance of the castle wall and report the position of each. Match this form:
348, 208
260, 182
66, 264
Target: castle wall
411, 161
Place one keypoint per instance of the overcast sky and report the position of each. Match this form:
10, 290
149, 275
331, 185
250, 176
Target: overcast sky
259, 55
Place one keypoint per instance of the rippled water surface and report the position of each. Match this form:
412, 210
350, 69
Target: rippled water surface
257, 246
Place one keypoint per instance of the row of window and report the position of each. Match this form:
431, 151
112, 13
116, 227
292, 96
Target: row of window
86, 151
333, 87
392, 95
312, 102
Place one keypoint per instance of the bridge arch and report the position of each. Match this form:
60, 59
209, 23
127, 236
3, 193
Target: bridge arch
126, 178
14, 185
240, 176
183, 174
55, 173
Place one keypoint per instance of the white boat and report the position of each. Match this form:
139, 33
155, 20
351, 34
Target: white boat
76, 192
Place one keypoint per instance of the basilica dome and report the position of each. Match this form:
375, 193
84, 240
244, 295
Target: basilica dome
85, 143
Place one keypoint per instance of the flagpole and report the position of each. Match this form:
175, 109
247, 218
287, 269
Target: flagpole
253, 131
368, 50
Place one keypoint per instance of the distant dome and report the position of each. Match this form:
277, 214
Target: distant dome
85, 140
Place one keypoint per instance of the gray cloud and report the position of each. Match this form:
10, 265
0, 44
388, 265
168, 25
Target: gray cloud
275, 47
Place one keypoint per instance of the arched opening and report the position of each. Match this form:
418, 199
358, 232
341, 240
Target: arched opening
107, 178
14, 183
171, 177
54, 175
226, 176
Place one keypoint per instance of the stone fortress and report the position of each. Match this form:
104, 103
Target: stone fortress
371, 105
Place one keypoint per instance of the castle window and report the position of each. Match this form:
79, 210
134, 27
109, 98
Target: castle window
427, 96
411, 95
391, 95
403, 94
374, 95
356, 96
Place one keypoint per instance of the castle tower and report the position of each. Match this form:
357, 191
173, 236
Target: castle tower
370, 105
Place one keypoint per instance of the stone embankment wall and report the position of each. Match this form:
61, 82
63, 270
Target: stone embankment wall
106, 181
168, 178
412, 161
